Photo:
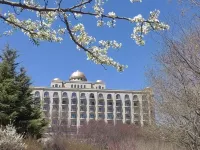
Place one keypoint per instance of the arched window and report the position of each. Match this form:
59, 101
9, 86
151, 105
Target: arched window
109, 96
127, 97
52, 85
100, 96
102, 87
37, 94
81, 86
135, 98
84, 86
55, 94
77, 86
118, 97
56, 85
64, 95
83, 95
74, 95
46, 94
99, 86
72, 86
91, 95
127, 103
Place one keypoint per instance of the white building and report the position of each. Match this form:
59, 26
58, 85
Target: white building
77, 101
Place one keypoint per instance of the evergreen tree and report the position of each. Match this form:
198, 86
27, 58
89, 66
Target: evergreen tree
16, 101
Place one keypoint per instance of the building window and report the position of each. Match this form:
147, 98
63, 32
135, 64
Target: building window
77, 86
127, 103
109, 96
81, 86
110, 103
72, 86
83, 96
92, 116
83, 116
102, 87
74, 95
110, 116
46, 94
73, 116
118, 97
64, 101
52, 85
55, 94
99, 87
84, 86
91, 95
56, 85
135, 98
100, 96
37, 94
64, 95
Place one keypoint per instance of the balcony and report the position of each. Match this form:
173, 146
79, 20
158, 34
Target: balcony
101, 116
110, 116
92, 109
73, 97
109, 103
55, 102
119, 110
127, 117
92, 103
83, 116
118, 104
119, 117
73, 116
55, 96
100, 98
101, 110
46, 101
92, 116
55, 108
83, 102
64, 108
136, 104
46, 108
64, 102
74, 102
101, 103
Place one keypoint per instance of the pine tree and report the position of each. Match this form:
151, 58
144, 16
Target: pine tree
16, 101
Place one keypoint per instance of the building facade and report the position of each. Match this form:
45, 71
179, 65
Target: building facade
75, 102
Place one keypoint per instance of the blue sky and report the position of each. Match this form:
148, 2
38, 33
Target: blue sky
50, 60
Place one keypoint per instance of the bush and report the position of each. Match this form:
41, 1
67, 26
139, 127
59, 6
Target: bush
10, 140
62, 142
109, 136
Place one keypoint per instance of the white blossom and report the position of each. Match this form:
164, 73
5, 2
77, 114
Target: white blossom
132, 1
100, 23
46, 26
112, 14
9, 139
78, 15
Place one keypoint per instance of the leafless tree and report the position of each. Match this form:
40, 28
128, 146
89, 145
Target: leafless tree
176, 84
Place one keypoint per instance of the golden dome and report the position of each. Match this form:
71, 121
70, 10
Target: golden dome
99, 81
78, 76
56, 80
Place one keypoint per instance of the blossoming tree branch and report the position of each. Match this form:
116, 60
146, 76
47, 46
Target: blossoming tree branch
41, 24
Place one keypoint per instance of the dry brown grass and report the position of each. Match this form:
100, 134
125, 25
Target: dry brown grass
155, 145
